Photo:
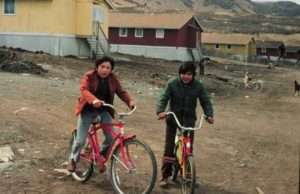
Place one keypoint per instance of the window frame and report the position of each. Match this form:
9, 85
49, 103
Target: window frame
14, 7
121, 34
136, 34
157, 31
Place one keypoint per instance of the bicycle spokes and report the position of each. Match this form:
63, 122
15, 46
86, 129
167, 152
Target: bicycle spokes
188, 176
133, 168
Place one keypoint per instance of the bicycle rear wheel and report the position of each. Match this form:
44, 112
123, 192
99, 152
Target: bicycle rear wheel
133, 169
188, 176
84, 167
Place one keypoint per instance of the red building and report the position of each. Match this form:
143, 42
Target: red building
172, 36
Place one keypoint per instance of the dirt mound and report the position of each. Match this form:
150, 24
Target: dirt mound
22, 67
4, 56
10, 63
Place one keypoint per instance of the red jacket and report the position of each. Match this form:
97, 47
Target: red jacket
88, 85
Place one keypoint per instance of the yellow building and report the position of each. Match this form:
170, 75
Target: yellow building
58, 27
235, 46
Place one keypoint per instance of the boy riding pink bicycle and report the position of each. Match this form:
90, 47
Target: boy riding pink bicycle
95, 110
132, 162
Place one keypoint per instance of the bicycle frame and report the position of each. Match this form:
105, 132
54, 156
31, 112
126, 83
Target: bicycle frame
184, 135
186, 147
185, 164
118, 140
129, 158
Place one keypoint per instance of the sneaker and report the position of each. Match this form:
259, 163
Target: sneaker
163, 182
71, 166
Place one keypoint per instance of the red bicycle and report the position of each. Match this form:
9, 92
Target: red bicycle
185, 164
133, 166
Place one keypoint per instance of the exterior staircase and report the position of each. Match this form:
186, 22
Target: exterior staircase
196, 54
98, 43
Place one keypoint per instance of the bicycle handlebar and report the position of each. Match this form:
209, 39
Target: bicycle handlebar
119, 114
186, 128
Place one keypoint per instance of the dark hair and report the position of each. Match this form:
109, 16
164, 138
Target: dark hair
105, 59
187, 67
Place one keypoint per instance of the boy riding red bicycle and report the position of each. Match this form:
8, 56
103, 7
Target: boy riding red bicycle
96, 87
181, 93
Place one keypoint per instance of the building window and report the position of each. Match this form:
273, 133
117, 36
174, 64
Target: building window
123, 32
217, 46
229, 46
139, 32
9, 7
263, 50
160, 33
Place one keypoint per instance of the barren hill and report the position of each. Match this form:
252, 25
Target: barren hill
243, 16
237, 7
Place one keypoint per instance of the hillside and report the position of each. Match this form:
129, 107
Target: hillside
230, 7
243, 16
278, 9
242, 7
236, 7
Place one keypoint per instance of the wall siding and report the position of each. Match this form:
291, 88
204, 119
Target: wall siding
148, 39
55, 45
56, 16
161, 52
239, 52
184, 37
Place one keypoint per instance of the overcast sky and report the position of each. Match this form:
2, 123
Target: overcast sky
296, 1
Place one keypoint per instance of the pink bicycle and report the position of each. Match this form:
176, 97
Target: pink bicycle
133, 166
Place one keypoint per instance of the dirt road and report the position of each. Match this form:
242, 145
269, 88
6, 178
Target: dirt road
253, 143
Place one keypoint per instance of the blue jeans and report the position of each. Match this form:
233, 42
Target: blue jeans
84, 121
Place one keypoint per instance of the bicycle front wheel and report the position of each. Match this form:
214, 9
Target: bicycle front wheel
188, 176
84, 167
133, 168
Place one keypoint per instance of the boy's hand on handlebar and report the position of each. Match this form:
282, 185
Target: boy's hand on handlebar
210, 120
162, 115
98, 103
131, 105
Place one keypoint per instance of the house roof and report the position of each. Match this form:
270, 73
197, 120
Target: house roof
233, 39
107, 2
150, 20
268, 44
292, 49
292, 45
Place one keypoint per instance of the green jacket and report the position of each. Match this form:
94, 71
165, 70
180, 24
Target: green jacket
182, 99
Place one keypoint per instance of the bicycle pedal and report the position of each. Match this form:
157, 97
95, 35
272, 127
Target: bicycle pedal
102, 169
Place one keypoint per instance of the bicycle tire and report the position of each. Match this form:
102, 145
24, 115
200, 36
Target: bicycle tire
137, 180
84, 168
188, 176
71, 141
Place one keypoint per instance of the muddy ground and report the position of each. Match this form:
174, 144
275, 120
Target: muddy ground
253, 143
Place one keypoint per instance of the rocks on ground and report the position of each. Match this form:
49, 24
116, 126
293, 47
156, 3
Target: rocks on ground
9, 62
